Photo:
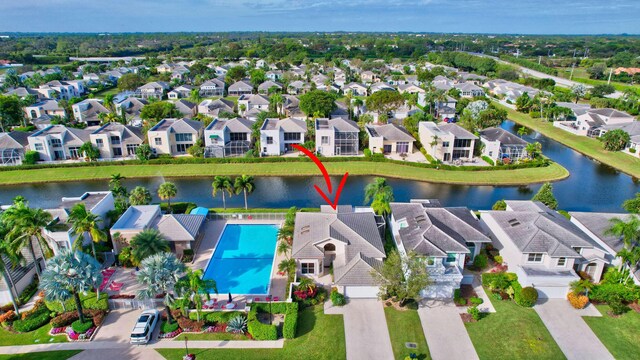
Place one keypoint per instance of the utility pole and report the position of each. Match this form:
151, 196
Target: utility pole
539, 59
572, 67
610, 73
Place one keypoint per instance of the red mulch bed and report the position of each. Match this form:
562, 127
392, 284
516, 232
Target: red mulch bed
635, 307
467, 318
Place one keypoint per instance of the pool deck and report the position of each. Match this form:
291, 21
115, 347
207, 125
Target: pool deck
213, 230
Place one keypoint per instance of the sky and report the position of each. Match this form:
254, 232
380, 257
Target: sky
440, 16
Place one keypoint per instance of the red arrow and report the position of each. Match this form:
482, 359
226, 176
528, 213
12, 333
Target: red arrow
333, 204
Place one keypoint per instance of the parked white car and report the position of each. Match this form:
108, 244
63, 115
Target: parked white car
146, 324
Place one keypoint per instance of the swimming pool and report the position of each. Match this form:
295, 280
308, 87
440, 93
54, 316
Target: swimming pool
243, 259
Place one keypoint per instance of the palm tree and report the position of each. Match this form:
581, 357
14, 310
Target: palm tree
15, 258
581, 286
166, 191
283, 248
222, 184
195, 96
522, 131
160, 274
85, 222
244, 184
628, 231
378, 186
288, 266
25, 226
275, 101
116, 180
140, 196
67, 275
147, 243
285, 233
192, 286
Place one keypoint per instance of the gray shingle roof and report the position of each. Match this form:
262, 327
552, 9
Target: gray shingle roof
501, 135
598, 223
458, 131
357, 271
391, 132
180, 227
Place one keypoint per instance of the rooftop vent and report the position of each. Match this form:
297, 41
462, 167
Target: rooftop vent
514, 222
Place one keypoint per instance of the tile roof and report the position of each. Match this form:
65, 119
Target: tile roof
391, 132
180, 227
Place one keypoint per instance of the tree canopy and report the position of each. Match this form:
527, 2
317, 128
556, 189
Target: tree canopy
159, 110
615, 140
545, 196
384, 101
130, 81
318, 102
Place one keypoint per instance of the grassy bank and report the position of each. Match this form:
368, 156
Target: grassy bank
585, 145
492, 177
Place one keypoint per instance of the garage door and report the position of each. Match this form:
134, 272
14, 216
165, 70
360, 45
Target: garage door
552, 292
361, 292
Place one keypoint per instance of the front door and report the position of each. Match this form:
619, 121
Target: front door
387, 149
58, 155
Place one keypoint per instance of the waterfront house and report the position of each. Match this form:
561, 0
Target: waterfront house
595, 122
347, 240
277, 136
389, 139
58, 142
224, 138
117, 141
132, 107
174, 136
335, 137
13, 146
446, 142
448, 237
502, 145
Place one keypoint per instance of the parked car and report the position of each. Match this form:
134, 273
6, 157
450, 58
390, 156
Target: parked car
144, 327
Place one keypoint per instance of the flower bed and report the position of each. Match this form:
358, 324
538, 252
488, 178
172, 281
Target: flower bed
171, 335
72, 335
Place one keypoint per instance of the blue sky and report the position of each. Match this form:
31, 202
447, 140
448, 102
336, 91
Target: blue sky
482, 16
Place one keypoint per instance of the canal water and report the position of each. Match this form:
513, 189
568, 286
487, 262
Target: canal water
591, 187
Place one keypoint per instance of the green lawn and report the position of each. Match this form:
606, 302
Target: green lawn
585, 145
105, 92
307, 168
512, 332
619, 335
319, 336
211, 336
39, 336
581, 75
45, 355
405, 326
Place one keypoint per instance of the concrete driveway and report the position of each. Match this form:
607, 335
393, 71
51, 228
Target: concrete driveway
365, 327
573, 335
445, 332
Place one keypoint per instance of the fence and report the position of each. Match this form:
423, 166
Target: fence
247, 216
115, 304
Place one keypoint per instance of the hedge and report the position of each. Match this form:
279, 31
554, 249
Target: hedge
66, 319
178, 207
611, 292
261, 331
290, 325
488, 160
81, 327
28, 292
89, 302
33, 322
526, 297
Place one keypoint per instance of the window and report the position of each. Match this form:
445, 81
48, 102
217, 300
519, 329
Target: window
308, 268
117, 151
38, 146
562, 262
534, 258
324, 140
238, 137
292, 137
445, 144
99, 143
462, 143
451, 257
182, 148
269, 140
131, 149
158, 141
74, 152
56, 142
184, 137
115, 140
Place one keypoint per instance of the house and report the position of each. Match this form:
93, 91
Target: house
174, 136
20, 275
374, 88
180, 73
215, 107
543, 247
251, 102
298, 87
186, 108
508, 90
595, 225
389, 139
593, 122
13, 146
410, 89
164, 68
224, 138
368, 77
241, 87
117, 141
132, 108
500, 144
213, 87
182, 231
335, 137
320, 80
446, 142
58, 142
469, 89
445, 109
442, 83
449, 237
61, 236
88, 111
278, 135
180, 92
346, 240
274, 75
355, 89
269, 86
23, 92
404, 111
633, 129
154, 89
44, 107
291, 107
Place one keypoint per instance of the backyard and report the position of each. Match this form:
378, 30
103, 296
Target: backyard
404, 327
588, 146
319, 336
512, 332
619, 335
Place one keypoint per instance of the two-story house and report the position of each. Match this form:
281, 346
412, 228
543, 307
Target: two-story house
278, 136
241, 87
389, 139
13, 146
335, 137
58, 142
446, 142
213, 87
154, 89
174, 136
48, 107
87, 111
224, 138
268, 87
502, 145
447, 236
257, 103
213, 108
117, 141
469, 89
180, 92
132, 108
543, 247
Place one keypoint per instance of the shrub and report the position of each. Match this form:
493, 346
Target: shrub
499, 280
178, 207
28, 292
498, 259
367, 153
632, 150
36, 309
480, 262
81, 327
577, 301
488, 160
166, 328
290, 325
337, 299
237, 325
66, 319
474, 312
31, 157
617, 306
89, 302
457, 297
527, 296
31, 323
217, 317
475, 301
608, 292
496, 296
8, 316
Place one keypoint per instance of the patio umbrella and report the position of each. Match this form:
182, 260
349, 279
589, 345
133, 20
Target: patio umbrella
230, 298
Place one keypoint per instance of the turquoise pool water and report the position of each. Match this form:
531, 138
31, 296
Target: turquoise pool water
243, 258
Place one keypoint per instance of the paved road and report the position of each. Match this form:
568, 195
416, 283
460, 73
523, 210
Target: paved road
365, 327
446, 335
573, 335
